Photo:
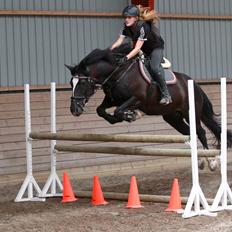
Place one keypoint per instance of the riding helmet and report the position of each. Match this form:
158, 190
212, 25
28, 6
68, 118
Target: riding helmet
131, 10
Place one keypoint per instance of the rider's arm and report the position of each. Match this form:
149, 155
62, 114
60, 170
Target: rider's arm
136, 50
118, 42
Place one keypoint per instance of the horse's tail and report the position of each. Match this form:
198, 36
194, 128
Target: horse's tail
211, 121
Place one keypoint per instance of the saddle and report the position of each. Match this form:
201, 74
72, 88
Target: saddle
170, 77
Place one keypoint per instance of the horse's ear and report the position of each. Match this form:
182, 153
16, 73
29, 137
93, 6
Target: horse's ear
71, 68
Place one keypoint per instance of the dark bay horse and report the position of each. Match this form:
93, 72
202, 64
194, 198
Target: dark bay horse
126, 90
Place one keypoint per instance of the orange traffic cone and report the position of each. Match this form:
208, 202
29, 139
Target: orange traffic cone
133, 197
97, 195
68, 195
175, 199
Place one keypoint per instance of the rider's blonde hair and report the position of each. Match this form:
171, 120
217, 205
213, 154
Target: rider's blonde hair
148, 15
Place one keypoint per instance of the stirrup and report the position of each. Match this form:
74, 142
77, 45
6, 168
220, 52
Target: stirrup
165, 100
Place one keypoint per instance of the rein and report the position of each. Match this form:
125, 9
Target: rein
108, 85
109, 77
132, 63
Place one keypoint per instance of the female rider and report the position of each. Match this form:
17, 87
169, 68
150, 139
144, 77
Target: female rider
146, 37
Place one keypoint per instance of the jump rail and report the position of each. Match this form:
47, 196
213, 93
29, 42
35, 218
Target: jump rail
111, 138
136, 151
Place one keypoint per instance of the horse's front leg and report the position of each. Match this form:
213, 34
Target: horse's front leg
126, 111
101, 111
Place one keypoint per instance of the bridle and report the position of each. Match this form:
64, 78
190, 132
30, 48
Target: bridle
81, 100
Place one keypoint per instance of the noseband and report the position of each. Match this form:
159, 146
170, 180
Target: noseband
81, 100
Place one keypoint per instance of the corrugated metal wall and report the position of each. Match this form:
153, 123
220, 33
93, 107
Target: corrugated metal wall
69, 5
34, 48
208, 7
200, 48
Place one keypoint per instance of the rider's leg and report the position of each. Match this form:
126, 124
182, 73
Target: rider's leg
165, 96
157, 74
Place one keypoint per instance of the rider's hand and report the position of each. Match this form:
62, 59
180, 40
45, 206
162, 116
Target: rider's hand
122, 60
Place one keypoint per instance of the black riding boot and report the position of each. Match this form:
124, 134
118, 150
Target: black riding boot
165, 96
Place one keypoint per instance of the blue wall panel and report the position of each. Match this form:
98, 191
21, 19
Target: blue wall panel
197, 47
34, 49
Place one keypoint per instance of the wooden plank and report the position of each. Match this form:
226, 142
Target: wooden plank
18, 167
41, 119
80, 158
56, 13
90, 125
43, 151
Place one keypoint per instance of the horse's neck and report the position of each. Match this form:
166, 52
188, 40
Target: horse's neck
110, 75
101, 72
120, 73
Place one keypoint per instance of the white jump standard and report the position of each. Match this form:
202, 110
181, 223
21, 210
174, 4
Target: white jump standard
53, 180
224, 193
196, 197
29, 182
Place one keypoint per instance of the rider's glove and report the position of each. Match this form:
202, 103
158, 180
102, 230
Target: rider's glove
122, 60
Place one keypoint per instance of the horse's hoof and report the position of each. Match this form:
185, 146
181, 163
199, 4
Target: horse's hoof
212, 164
201, 164
130, 116
139, 114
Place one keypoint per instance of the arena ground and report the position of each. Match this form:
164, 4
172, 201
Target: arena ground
81, 216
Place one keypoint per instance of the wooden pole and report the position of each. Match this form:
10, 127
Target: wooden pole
136, 151
111, 138
55, 13
143, 197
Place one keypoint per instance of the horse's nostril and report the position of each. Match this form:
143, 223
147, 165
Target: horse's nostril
76, 107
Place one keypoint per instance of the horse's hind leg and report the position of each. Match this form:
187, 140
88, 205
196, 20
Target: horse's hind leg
201, 135
200, 132
176, 120
212, 162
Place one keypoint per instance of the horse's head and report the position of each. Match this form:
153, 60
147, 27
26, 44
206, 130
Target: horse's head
88, 76
83, 87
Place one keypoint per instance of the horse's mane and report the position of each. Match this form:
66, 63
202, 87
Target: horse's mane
123, 49
106, 54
